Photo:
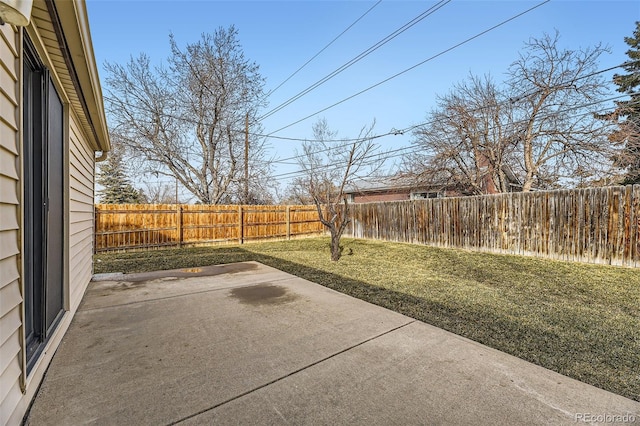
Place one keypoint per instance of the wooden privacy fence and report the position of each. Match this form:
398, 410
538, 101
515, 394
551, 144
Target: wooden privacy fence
142, 226
597, 225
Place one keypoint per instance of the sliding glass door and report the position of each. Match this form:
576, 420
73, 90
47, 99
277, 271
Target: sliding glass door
43, 204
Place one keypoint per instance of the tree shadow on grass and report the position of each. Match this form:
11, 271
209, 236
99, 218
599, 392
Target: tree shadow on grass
552, 348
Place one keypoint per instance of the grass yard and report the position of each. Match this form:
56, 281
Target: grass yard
579, 320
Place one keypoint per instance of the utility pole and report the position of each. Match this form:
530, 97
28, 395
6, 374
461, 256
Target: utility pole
246, 159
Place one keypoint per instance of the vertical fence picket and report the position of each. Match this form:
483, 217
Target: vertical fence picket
633, 226
125, 227
598, 225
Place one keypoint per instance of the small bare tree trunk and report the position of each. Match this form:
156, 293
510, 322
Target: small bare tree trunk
336, 251
335, 223
328, 169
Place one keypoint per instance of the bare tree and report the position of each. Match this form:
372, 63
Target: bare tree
160, 193
189, 120
297, 192
541, 127
467, 143
556, 94
328, 168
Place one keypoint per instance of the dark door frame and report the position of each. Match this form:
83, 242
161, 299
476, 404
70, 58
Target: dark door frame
43, 205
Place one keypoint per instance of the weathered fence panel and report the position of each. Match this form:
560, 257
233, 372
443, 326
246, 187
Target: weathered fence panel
596, 225
144, 226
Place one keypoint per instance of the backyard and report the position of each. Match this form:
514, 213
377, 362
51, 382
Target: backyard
577, 319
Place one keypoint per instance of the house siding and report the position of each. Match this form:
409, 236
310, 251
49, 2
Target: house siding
81, 175
10, 293
16, 387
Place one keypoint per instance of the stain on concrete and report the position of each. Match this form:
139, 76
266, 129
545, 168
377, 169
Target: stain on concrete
126, 285
263, 294
97, 341
146, 282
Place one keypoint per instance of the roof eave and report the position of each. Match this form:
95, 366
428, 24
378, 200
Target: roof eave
74, 22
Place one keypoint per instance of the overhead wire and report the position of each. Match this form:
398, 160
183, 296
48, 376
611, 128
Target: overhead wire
323, 49
358, 58
391, 132
399, 151
237, 131
402, 131
412, 148
412, 67
395, 132
384, 156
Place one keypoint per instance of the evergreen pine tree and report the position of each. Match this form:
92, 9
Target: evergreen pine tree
116, 187
627, 113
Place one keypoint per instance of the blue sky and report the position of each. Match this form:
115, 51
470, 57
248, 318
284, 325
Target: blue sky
280, 36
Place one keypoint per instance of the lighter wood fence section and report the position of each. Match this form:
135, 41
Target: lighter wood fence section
145, 226
595, 225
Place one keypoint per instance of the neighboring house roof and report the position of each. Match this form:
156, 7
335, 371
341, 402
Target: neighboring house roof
72, 47
388, 183
410, 183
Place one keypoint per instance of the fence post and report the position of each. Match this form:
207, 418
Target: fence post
288, 222
240, 225
179, 224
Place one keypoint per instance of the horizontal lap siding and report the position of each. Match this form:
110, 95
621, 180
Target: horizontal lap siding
8, 404
10, 296
9, 380
81, 166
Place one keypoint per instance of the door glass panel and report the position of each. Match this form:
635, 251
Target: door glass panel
54, 208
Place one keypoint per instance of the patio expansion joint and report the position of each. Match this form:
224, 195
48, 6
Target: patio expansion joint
292, 373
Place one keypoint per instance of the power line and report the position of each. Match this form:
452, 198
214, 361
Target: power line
359, 57
524, 120
399, 151
324, 48
512, 100
237, 131
413, 67
372, 158
391, 132
395, 132
345, 142
582, 77
377, 157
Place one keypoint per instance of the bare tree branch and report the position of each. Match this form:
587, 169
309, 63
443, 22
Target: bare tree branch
541, 128
187, 120
557, 137
328, 169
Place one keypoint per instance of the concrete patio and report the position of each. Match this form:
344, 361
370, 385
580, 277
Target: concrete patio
248, 344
